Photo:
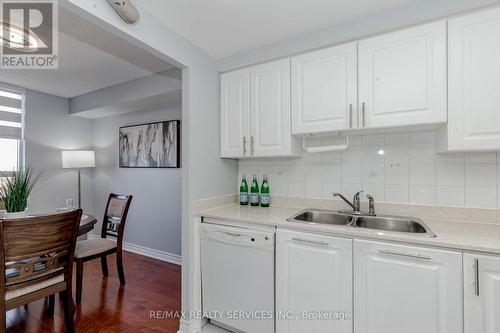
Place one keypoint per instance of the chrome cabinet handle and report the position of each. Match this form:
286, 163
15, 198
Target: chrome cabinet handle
244, 145
252, 145
401, 254
357, 117
476, 277
350, 115
363, 122
308, 241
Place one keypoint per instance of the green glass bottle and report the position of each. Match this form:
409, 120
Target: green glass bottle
254, 192
244, 191
264, 193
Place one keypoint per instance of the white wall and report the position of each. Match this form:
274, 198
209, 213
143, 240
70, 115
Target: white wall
48, 130
154, 219
401, 168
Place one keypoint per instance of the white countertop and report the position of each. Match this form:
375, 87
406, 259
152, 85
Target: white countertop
481, 237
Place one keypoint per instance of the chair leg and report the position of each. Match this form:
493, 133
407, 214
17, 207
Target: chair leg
3, 318
104, 266
68, 311
52, 300
79, 281
119, 266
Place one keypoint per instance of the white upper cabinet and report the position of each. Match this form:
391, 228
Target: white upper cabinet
431, 74
474, 79
402, 77
313, 273
255, 112
324, 90
270, 109
235, 113
399, 288
482, 293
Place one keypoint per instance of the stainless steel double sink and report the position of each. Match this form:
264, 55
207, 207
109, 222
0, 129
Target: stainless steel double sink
360, 220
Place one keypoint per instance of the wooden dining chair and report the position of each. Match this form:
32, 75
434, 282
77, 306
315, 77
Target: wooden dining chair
113, 225
36, 255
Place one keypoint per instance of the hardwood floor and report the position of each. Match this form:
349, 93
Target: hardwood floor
152, 285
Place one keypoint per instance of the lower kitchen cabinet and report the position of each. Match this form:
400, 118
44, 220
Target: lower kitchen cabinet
408, 289
314, 277
482, 294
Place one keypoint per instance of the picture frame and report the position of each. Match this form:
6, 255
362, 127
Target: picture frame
150, 145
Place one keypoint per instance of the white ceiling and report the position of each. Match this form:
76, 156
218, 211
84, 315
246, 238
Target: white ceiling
227, 27
89, 59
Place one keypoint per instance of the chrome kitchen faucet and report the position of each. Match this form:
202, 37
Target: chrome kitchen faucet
356, 203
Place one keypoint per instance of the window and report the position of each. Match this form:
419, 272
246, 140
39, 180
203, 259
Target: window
11, 130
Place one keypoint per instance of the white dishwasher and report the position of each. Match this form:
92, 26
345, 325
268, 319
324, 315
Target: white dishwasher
237, 266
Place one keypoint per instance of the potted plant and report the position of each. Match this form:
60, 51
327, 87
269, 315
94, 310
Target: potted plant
15, 189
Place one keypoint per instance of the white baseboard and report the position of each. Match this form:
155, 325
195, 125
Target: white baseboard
145, 251
152, 253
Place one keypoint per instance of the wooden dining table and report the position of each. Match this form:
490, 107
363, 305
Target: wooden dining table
87, 223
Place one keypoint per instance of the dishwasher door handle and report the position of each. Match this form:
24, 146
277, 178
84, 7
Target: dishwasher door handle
257, 239
232, 234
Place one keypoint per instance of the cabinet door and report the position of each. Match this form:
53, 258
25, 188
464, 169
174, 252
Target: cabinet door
235, 113
313, 274
402, 77
482, 293
474, 78
324, 90
406, 289
270, 109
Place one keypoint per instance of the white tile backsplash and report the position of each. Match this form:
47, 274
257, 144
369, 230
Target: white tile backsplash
297, 172
480, 175
480, 158
314, 190
422, 194
397, 167
329, 188
450, 174
421, 153
480, 197
396, 154
396, 193
353, 155
396, 174
373, 174
351, 173
451, 196
422, 137
314, 173
396, 138
331, 173
422, 174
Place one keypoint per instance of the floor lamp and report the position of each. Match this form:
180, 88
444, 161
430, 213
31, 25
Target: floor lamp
78, 159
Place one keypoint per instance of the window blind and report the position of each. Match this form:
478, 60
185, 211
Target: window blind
11, 114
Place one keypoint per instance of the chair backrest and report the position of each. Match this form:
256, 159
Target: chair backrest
115, 215
36, 249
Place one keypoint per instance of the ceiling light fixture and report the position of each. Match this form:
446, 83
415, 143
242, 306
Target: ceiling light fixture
14, 37
126, 10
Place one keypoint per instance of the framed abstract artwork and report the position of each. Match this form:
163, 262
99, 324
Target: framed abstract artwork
152, 145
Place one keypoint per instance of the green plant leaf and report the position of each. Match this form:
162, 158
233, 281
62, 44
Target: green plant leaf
16, 189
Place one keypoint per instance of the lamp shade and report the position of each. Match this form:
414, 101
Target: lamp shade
78, 159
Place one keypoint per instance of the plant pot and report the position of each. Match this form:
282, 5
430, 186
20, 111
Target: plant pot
17, 215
